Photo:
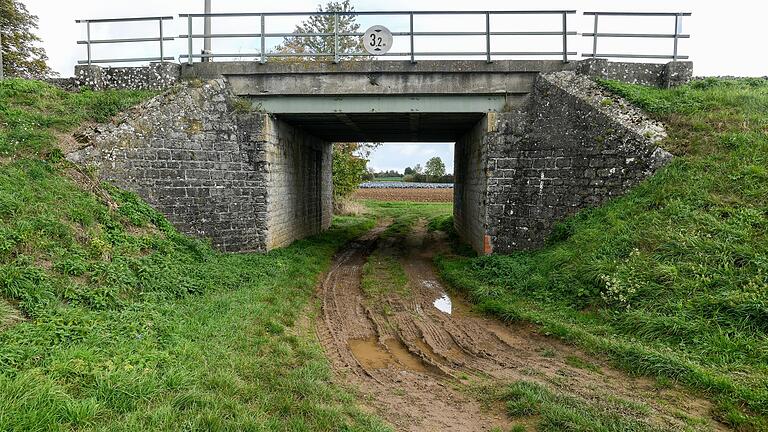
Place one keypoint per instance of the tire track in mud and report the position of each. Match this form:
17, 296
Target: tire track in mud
413, 360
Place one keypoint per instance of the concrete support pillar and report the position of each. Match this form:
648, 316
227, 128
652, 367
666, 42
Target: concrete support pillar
90, 76
593, 67
163, 75
677, 73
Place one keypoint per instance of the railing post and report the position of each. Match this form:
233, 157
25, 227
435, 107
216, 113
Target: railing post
1, 56
335, 37
207, 47
677, 33
594, 38
565, 37
263, 42
189, 40
413, 55
88, 39
162, 52
488, 37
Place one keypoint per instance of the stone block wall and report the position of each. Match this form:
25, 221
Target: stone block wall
575, 146
470, 186
299, 183
194, 159
245, 180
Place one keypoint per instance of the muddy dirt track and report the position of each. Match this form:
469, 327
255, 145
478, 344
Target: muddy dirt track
419, 359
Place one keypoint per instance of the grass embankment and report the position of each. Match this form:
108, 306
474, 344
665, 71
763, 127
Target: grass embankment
111, 320
670, 280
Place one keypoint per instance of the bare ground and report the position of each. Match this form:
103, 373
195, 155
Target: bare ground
420, 368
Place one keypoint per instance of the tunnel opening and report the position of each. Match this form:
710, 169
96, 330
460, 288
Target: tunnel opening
407, 172
464, 131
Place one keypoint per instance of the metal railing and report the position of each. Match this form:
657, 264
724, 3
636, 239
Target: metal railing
263, 36
676, 36
90, 42
336, 55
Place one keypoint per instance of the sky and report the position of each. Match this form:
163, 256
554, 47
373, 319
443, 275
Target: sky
728, 38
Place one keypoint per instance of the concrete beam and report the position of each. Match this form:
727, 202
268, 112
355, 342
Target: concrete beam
386, 104
218, 69
374, 83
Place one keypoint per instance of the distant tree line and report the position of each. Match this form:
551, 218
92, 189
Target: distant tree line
385, 174
423, 178
433, 172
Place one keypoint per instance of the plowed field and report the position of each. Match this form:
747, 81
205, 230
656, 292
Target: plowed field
402, 194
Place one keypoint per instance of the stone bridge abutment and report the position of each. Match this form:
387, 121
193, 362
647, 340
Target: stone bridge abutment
242, 154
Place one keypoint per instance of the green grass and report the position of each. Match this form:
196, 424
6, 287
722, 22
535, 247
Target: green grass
405, 214
670, 280
556, 413
129, 325
31, 113
382, 275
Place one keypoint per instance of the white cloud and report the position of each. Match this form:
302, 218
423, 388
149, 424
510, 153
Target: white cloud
397, 156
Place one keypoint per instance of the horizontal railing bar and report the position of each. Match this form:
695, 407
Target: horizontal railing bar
274, 35
128, 60
108, 41
653, 56
256, 14
404, 54
638, 35
481, 33
639, 13
106, 20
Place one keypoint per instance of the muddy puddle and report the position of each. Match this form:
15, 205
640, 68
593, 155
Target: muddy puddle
374, 355
444, 304
417, 358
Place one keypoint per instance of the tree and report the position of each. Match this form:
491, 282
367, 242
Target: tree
349, 167
21, 56
324, 24
408, 171
349, 159
435, 167
417, 169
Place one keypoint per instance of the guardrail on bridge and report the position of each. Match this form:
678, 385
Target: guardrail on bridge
263, 36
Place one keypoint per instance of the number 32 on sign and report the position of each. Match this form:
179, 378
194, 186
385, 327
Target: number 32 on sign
377, 40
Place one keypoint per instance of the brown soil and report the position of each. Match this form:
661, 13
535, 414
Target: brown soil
420, 368
404, 194
9, 315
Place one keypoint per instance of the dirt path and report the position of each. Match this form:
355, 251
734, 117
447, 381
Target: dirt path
417, 357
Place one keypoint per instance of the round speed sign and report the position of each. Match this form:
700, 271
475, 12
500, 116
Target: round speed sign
377, 40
